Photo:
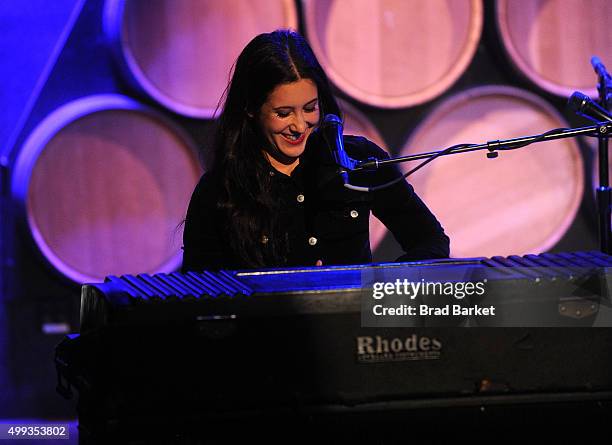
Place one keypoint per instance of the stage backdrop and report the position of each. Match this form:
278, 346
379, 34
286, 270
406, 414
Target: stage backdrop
110, 121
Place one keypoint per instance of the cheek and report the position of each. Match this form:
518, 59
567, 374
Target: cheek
315, 118
271, 125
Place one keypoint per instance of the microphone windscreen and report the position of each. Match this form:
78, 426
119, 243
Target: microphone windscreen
598, 66
578, 101
582, 104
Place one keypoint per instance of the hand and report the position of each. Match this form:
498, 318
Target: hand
319, 263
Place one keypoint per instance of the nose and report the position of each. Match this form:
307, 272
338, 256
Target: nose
299, 123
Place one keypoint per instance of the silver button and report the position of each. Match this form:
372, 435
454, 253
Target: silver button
300, 198
354, 213
312, 241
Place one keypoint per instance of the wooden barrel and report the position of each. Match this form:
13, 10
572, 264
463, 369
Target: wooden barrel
103, 184
521, 202
551, 42
356, 123
393, 53
180, 52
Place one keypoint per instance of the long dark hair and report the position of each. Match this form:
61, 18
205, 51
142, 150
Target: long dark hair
269, 60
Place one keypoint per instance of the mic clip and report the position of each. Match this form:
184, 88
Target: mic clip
369, 164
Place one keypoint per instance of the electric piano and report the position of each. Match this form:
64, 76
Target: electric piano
212, 347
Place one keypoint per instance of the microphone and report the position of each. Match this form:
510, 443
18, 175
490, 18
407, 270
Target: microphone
331, 129
599, 68
583, 105
605, 82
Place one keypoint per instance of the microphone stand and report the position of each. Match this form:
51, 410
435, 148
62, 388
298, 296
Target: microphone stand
604, 192
602, 130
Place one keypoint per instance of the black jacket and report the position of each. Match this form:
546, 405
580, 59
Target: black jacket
325, 220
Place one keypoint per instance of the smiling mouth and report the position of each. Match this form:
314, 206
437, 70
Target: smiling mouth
294, 139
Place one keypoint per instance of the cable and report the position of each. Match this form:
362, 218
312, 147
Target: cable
489, 146
404, 176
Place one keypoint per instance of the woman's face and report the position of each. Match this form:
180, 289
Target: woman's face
288, 117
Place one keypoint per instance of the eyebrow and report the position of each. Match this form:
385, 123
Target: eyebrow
291, 108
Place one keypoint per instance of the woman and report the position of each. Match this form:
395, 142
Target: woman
273, 196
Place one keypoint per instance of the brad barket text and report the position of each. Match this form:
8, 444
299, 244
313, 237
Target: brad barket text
405, 310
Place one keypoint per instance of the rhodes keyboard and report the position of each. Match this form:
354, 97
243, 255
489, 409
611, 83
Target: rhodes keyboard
158, 353
176, 298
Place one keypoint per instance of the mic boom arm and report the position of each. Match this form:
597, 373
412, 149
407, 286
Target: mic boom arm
602, 129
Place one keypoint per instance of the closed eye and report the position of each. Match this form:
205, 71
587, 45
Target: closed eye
283, 114
310, 107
